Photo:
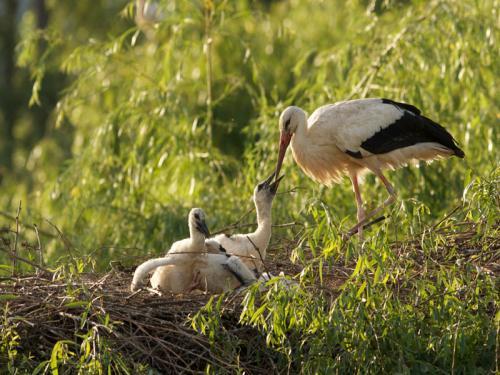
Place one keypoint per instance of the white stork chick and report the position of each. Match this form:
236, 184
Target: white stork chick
347, 138
252, 246
187, 264
181, 273
198, 231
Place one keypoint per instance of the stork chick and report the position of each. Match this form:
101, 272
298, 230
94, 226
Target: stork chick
187, 265
252, 246
347, 138
198, 231
181, 273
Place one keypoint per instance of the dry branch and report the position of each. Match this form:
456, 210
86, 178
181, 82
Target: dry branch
145, 328
31, 227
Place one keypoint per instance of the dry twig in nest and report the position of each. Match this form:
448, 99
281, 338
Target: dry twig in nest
143, 328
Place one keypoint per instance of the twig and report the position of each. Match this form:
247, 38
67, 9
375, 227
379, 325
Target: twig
40, 253
101, 280
374, 221
26, 261
69, 245
231, 227
209, 72
200, 252
14, 252
292, 190
41, 231
133, 294
284, 225
446, 217
380, 59
260, 255
237, 224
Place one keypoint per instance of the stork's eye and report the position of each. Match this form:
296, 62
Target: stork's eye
287, 123
197, 217
259, 187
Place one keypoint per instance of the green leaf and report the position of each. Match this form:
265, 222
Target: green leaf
8, 297
6, 268
76, 304
359, 266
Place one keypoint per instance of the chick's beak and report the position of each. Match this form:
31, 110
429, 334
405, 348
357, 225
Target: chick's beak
202, 228
275, 184
268, 180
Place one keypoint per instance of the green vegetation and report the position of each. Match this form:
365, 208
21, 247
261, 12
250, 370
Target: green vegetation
142, 123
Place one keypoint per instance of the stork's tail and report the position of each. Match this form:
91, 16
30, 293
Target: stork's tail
145, 268
442, 136
459, 152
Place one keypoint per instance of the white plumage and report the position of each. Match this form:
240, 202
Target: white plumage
350, 137
198, 231
252, 246
188, 266
181, 273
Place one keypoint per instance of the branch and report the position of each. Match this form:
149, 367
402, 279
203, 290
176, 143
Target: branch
32, 227
14, 252
27, 261
40, 253
260, 255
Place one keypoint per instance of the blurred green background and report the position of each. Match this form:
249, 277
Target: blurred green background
114, 123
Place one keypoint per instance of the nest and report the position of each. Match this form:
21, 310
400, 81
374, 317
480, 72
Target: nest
142, 327
152, 329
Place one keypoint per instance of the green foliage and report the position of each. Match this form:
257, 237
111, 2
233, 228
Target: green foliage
10, 339
144, 150
401, 309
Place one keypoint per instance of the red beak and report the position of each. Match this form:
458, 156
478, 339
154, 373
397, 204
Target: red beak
284, 142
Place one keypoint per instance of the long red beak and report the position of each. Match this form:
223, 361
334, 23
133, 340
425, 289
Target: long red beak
284, 142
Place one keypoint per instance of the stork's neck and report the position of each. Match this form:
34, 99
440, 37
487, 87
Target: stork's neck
197, 238
301, 132
262, 234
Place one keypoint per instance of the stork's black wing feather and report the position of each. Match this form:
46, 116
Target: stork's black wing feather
409, 130
408, 107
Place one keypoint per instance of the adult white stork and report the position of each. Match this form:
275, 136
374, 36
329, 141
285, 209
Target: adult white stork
349, 137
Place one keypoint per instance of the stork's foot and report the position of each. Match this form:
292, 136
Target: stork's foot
356, 229
195, 283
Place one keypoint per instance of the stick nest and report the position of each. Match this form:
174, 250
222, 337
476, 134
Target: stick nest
143, 327
147, 328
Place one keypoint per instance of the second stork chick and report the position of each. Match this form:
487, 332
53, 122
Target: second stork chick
252, 247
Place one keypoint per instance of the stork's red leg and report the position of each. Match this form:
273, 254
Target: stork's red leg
390, 200
359, 202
